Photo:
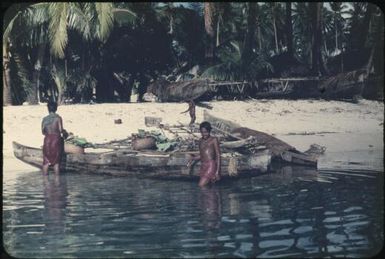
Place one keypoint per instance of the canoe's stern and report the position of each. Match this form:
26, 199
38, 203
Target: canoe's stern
29, 155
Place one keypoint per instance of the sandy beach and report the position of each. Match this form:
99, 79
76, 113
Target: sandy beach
351, 133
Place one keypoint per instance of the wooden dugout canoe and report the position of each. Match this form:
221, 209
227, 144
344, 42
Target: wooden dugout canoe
281, 151
173, 165
151, 164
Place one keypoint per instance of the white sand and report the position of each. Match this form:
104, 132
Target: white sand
349, 130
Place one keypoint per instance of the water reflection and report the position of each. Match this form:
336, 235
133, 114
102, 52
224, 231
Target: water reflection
292, 212
210, 203
55, 202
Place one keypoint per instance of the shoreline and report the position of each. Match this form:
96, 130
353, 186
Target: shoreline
343, 128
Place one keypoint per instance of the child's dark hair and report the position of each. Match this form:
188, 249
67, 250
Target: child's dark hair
52, 106
205, 125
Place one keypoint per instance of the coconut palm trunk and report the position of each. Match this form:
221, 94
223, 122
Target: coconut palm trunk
251, 25
33, 97
366, 25
218, 27
336, 29
210, 21
377, 47
317, 63
289, 29
275, 35
274, 27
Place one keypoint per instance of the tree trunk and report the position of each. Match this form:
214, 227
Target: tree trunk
275, 35
251, 25
335, 24
60, 96
217, 43
377, 48
317, 63
171, 25
289, 29
210, 21
365, 25
33, 97
7, 95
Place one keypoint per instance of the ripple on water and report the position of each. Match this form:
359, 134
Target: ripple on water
279, 233
91, 216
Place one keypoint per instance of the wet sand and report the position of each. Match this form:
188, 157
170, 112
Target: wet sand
351, 133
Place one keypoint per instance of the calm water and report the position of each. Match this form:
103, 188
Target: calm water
292, 213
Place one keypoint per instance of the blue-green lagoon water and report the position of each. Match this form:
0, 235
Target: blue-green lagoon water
291, 213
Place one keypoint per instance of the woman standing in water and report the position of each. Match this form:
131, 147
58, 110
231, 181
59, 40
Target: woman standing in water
210, 156
52, 128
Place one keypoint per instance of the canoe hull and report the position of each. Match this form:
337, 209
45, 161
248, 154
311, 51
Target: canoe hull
282, 152
142, 164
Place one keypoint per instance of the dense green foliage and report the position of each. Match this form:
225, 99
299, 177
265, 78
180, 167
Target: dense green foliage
105, 51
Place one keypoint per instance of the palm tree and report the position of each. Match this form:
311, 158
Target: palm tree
224, 11
289, 29
273, 7
182, 24
234, 66
359, 23
210, 17
277, 19
249, 37
302, 30
338, 10
265, 32
317, 62
13, 14
92, 20
376, 61
365, 27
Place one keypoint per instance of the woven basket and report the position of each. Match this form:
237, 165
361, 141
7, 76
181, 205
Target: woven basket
143, 143
73, 149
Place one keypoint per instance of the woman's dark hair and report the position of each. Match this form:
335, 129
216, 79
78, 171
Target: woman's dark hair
205, 125
52, 106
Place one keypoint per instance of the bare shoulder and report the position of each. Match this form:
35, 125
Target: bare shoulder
215, 139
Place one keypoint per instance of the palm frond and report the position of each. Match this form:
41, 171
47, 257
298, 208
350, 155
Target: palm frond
21, 86
22, 72
9, 28
78, 20
105, 19
233, 67
39, 13
59, 78
58, 35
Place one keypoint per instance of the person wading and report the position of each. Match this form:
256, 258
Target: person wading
52, 129
209, 155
